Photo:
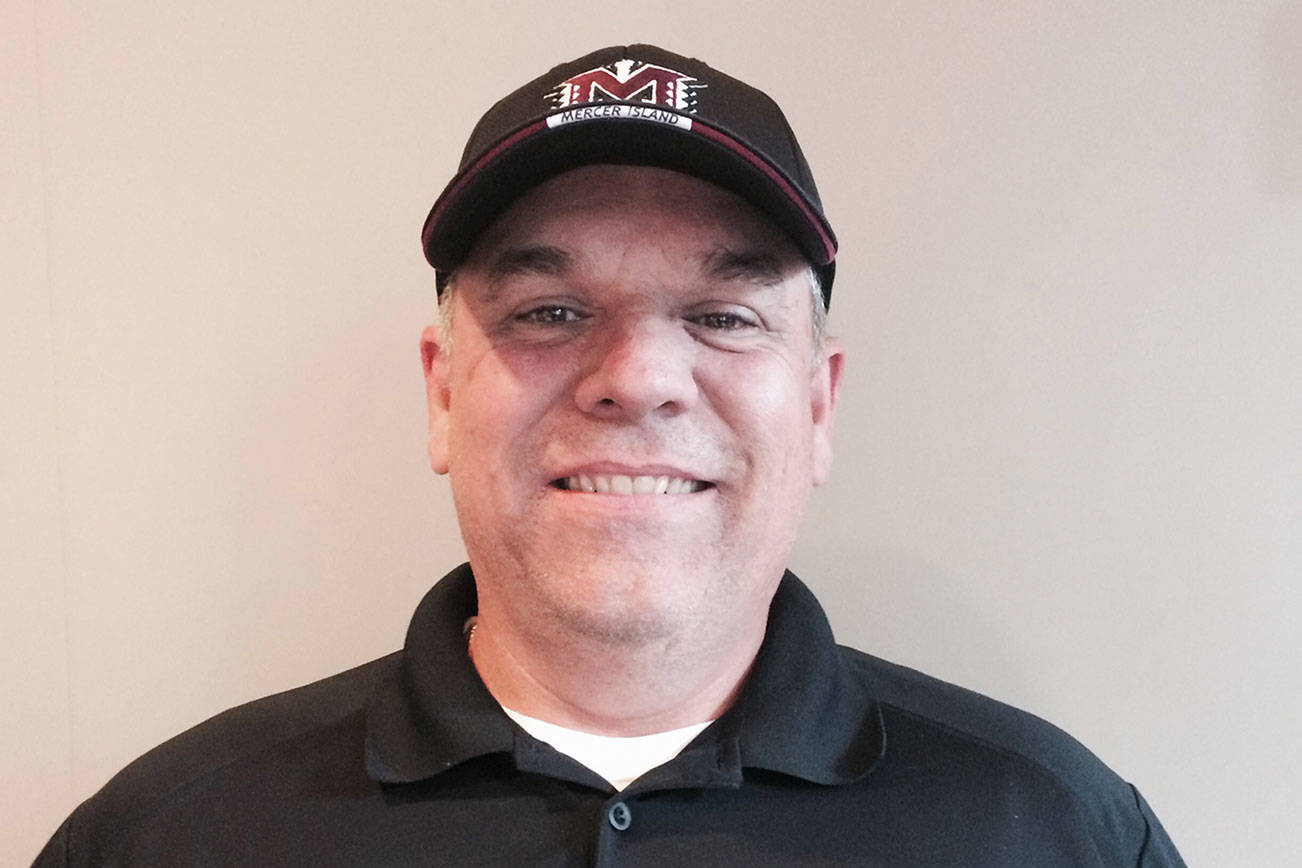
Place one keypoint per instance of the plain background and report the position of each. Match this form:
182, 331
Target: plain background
1068, 453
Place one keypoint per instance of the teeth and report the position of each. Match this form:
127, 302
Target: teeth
617, 484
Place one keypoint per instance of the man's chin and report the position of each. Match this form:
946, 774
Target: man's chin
624, 602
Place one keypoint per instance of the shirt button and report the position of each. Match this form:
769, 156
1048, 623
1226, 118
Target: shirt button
620, 816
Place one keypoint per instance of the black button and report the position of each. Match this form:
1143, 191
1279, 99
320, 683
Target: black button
620, 816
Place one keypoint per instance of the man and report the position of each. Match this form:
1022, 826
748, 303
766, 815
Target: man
632, 395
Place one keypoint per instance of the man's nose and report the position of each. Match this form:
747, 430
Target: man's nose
639, 369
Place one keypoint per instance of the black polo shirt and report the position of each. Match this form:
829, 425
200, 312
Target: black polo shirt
828, 757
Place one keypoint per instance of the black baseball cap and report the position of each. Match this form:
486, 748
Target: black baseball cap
635, 105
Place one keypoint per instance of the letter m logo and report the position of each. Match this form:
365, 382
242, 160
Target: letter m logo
628, 81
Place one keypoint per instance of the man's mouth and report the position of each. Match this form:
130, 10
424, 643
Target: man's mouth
618, 484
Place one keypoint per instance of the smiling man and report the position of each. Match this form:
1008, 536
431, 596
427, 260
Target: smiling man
632, 394
632, 410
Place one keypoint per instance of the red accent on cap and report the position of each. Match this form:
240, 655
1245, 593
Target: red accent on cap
769, 172
451, 192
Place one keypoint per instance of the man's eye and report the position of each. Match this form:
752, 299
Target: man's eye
550, 314
724, 321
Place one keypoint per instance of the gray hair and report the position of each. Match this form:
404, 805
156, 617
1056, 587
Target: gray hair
818, 307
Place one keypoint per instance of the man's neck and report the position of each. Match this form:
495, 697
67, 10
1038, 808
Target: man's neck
612, 687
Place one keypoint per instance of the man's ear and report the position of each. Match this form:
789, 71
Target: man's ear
435, 360
823, 393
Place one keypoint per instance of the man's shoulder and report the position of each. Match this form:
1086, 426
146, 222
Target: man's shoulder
212, 753
976, 773
993, 736
258, 726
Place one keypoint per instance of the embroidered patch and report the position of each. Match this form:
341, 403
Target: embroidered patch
629, 83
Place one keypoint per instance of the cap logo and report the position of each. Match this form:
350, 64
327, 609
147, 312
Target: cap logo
628, 81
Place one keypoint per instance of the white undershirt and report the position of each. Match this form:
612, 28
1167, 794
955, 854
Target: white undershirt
619, 759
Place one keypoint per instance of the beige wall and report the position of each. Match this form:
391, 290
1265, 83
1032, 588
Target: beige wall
1071, 287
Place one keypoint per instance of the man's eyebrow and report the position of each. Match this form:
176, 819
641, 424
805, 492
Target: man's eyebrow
751, 266
532, 259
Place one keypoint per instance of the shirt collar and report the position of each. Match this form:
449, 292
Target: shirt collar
802, 712
434, 712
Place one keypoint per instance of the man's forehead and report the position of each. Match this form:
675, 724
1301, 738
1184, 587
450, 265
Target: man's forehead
597, 210
755, 266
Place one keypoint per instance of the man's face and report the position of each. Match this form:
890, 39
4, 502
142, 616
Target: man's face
633, 329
